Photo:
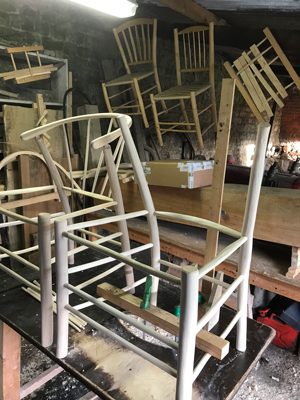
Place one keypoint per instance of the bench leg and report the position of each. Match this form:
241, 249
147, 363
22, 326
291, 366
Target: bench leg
10, 353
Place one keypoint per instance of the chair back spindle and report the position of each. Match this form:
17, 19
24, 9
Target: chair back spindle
136, 41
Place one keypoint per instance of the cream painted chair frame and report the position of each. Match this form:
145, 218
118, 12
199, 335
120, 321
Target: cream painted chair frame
257, 81
190, 326
107, 201
137, 43
191, 58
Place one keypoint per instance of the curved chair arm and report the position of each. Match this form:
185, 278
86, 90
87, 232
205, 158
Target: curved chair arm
196, 221
41, 130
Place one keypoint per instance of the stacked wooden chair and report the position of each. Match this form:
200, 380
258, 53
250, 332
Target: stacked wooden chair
129, 93
194, 57
189, 329
256, 77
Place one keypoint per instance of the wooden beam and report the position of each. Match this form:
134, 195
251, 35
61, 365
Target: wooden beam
194, 11
217, 189
40, 380
205, 341
10, 351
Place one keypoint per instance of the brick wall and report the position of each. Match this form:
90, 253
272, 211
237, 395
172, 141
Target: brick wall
290, 120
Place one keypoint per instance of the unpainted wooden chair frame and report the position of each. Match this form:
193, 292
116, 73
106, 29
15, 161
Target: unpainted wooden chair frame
135, 51
195, 60
256, 80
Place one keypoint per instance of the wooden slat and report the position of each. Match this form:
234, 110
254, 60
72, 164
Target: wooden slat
26, 72
283, 58
30, 201
268, 71
244, 92
249, 84
22, 49
33, 78
260, 94
10, 351
262, 80
205, 341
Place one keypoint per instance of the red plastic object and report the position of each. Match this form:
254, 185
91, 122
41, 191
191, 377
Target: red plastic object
286, 336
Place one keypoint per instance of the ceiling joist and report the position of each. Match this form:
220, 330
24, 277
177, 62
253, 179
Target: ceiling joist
194, 11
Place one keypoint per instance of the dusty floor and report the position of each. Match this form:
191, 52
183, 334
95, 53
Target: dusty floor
276, 376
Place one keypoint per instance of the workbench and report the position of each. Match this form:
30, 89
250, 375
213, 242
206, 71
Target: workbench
270, 261
88, 359
277, 228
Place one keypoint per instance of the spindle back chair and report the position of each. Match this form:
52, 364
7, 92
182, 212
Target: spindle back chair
194, 57
137, 43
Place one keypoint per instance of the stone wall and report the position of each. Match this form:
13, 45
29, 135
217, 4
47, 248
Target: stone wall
85, 38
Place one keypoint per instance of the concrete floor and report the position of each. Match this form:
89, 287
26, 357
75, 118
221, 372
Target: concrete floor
276, 376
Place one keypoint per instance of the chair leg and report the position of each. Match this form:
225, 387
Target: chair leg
106, 98
140, 102
196, 120
156, 120
214, 105
157, 81
184, 113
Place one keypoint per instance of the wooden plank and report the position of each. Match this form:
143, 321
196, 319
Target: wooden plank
32, 78
194, 11
232, 73
30, 201
268, 71
22, 73
277, 222
40, 380
22, 49
19, 119
217, 188
262, 80
222, 143
9, 94
205, 341
283, 58
10, 351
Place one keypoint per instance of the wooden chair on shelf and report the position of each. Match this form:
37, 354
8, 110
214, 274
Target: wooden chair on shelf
256, 78
194, 56
136, 41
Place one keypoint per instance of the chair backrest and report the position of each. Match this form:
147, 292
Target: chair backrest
84, 179
256, 77
194, 51
136, 40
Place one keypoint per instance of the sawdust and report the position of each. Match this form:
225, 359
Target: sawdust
131, 374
